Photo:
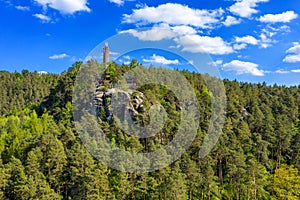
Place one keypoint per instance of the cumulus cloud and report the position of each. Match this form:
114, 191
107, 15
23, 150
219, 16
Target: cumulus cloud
58, 56
22, 8
204, 44
230, 20
160, 60
174, 14
295, 49
275, 18
293, 54
242, 42
42, 17
296, 70
182, 27
241, 67
161, 31
65, 6
247, 40
292, 58
245, 8
184, 30
153, 34
118, 2
239, 46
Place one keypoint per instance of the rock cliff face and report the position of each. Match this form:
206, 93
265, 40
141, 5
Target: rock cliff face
114, 100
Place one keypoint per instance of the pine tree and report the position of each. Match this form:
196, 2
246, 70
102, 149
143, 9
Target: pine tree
16, 186
37, 182
54, 159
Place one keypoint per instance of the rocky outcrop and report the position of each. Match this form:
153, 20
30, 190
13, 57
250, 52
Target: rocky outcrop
115, 100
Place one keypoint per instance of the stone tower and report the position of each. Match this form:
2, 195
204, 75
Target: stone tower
106, 54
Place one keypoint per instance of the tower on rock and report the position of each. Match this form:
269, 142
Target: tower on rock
106, 54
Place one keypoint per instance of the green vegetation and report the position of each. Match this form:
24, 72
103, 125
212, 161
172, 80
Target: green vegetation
42, 157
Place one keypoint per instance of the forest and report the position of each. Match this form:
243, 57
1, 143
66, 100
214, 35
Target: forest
42, 156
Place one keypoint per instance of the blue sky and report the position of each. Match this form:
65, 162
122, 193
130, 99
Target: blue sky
247, 40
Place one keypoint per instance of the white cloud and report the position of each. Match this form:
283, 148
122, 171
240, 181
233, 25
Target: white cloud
216, 63
239, 46
22, 8
204, 44
153, 34
161, 31
282, 17
42, 72
58, 56
241, 67
295, 49
126, 57
293, 54
265, 45
242, 42
270, 31
174, 14
184, 30
181, 24
265, 41
161, 60
126, 62
292, 58
283, 28
42, 17
245, 8
280, 71
118, 2
65, 6
113, 53
247, 40
191, 62
231, 21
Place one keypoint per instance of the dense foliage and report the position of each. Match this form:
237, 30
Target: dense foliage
24, 89
42, 157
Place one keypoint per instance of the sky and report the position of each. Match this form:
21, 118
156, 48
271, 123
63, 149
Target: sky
247, 40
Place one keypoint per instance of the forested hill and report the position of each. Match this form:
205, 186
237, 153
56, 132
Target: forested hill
42, 157
24, 89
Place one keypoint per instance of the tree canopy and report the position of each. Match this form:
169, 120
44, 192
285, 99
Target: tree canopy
42, 157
